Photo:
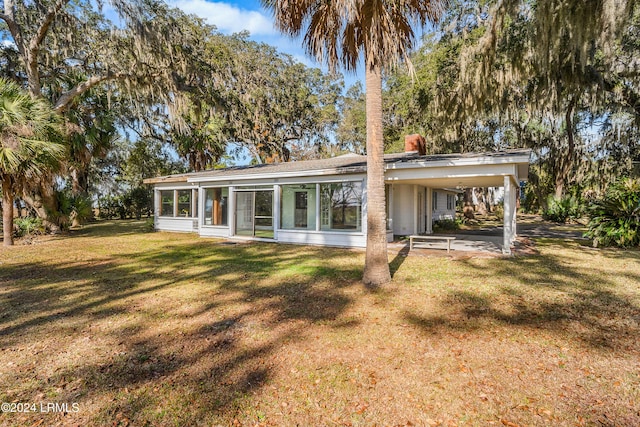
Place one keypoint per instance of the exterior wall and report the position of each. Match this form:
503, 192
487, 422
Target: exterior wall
176, 223
181, 225
403, 209
214, 231
441, 212
324, 238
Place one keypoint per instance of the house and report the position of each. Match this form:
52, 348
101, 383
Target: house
324, 202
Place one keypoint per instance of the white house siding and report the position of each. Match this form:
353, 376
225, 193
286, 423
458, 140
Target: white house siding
181, 225
403, 209
214, 231
441, 212
324, 238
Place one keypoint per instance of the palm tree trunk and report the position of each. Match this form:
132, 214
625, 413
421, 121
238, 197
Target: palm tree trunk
376, 267
7, 212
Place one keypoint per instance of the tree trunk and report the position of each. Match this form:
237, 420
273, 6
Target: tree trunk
7, 212
39, 206
468, 203
566, 161
376, 267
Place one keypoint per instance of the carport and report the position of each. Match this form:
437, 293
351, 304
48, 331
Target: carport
504, 169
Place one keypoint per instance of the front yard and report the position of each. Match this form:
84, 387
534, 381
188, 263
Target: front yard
160, 329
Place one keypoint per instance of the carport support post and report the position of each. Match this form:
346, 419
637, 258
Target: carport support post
509, 229
429, 224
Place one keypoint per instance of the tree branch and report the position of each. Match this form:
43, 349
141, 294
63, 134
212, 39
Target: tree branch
65, 99
12, 24
37, 39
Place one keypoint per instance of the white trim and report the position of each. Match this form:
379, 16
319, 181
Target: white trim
275, 210
470, 161
273, 176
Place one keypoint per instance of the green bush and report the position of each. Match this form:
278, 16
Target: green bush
562, 209
133, 204
445, 225
76, 209
28, 226
615, 219
149, 225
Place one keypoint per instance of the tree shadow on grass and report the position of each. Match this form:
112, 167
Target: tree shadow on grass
545, 292
399, 259
167, 365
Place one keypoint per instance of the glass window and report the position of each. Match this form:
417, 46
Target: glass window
184, 203
341, 206
166, 203
216, 205
451, 201
434, 198
298, 207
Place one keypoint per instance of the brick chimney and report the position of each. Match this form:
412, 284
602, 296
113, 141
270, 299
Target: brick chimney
415, 143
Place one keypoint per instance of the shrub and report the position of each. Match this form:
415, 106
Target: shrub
562, 209
615, 219
149, 225
134, 203
445, 225
28, 226
75, 209
140, 201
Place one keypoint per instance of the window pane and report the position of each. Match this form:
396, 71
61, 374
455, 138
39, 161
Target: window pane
341, 206
166, 203
298, 207
216, 206
184, 203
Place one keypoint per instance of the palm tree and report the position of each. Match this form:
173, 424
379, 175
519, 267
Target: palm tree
28, 130
339, 32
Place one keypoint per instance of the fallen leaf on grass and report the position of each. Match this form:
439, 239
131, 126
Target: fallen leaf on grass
508, 423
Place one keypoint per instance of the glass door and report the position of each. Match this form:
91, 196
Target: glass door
254, 213
263, 217
244, 213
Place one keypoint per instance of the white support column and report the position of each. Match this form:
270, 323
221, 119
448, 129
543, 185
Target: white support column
194, 203
317, 207
415, 209
365, 207
175, 204
516, 193
507, 231
429, 224
200, 207
276, 210
157, 209
390, 210
231, 212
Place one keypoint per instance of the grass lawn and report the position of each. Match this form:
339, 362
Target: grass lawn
164, 329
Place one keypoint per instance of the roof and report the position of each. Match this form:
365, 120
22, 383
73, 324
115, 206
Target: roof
345, 164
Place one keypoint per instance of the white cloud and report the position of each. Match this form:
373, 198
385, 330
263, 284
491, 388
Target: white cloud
228, 18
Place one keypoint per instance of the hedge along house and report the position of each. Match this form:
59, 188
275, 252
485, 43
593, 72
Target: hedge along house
324, 202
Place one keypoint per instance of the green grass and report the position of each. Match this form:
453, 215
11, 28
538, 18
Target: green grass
170, 329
